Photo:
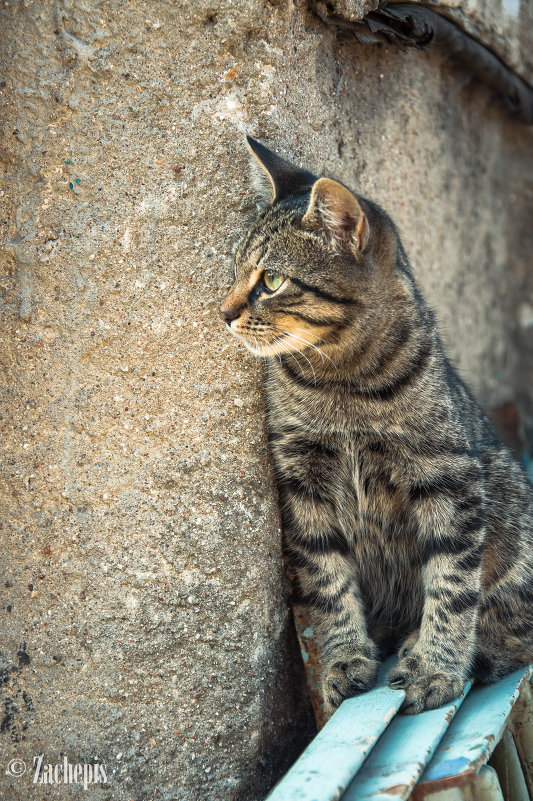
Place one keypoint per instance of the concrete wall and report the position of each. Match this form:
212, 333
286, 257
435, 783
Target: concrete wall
505, 27
144, 617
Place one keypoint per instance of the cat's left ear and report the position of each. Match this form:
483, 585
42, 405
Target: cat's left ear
274, 178
337, 210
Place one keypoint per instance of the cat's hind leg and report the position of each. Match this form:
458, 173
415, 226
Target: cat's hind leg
502, 645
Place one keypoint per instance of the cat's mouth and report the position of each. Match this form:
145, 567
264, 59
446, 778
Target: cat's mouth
267, 342
260, 346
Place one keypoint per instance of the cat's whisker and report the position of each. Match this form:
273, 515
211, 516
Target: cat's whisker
258, 347
302, 330
280, 341
301, 339
315, 347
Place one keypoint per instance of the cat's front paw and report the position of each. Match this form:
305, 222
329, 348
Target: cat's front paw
409, 668
347, 678
425, 687
408, 645
430, 692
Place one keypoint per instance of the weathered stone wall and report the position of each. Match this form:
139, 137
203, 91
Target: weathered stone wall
505, 27
144, 620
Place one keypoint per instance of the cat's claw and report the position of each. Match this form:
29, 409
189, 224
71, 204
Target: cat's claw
397, 683
346, 679
405, 672
425, 687
430, 692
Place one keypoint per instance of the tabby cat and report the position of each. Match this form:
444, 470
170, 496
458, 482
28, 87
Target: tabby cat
408, 523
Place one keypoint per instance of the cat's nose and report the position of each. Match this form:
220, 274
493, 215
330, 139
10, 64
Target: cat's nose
229, 314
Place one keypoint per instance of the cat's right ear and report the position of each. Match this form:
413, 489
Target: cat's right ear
337, 211
274, 178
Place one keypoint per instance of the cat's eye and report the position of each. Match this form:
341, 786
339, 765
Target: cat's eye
273, 281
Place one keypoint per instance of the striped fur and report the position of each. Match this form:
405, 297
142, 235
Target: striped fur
407, 521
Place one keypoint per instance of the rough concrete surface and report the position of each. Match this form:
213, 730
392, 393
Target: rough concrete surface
144, 617
503, 26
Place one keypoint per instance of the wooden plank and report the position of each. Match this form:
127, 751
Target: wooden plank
478, 726
403, 751
330, 762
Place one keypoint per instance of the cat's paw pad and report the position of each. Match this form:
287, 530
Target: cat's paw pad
430, 692
347, 678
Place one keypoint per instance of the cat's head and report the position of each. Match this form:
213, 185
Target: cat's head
313, 265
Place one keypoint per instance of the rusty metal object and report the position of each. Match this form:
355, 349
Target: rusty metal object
478, 727
313, 670
521, 726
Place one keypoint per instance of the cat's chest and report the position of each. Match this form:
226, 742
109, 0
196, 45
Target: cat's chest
379, 495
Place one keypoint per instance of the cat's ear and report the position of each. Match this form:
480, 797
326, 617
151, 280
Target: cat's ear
334, 208
274, 178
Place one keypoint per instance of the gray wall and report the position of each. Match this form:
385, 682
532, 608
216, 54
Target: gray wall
144, 617
503, 26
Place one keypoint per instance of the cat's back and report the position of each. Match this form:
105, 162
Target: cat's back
508, 491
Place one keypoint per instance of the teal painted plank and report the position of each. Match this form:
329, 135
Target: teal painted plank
328, 764
397, 761
478, 726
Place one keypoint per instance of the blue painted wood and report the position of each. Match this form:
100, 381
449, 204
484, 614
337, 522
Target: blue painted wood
328, 764
404, 749
478, 726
